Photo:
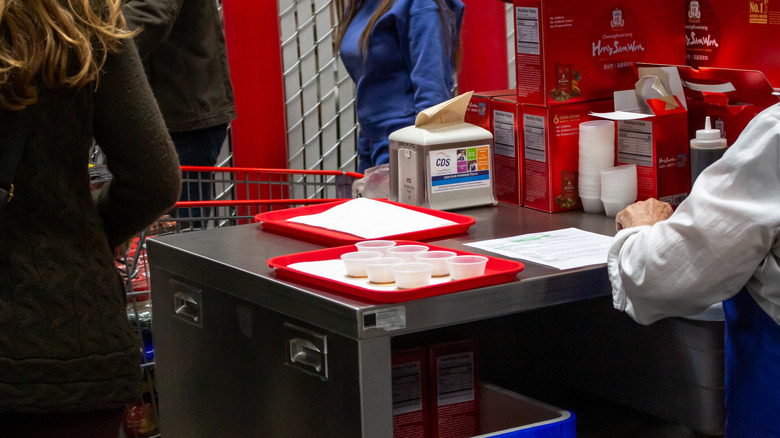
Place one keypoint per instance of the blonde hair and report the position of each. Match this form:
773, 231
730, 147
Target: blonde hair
55, 44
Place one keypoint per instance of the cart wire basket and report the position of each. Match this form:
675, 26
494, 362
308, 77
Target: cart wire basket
212, 197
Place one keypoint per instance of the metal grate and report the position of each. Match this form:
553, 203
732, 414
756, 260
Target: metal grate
319, 94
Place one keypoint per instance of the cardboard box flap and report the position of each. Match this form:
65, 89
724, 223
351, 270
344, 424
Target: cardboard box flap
629, 107
741, 87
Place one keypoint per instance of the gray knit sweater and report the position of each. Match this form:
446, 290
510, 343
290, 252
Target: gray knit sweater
65, 341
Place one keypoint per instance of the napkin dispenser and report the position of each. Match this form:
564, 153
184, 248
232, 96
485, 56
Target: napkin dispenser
442, 162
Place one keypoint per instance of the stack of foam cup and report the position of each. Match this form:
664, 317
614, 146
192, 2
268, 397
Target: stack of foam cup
597, 152
618, 188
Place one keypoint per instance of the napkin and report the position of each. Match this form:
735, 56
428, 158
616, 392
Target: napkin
371, 219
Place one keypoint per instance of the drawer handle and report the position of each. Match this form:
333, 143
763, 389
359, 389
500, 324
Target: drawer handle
306, 353
186, 307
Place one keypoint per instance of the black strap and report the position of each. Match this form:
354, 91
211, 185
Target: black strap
12, 152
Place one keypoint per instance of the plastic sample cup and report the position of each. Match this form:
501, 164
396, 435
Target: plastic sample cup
438, 259
612, 208
406, 252
354, 262
412, 275
592, 205
380, 271
375, 245
466, 266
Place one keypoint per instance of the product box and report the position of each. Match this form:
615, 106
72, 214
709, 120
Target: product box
739, 34
655, 137
730, 97
479, 112
568, 51
507, 150
551, 153
454, 389
410, 393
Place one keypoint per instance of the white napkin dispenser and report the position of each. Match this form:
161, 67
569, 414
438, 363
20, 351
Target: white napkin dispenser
442, 166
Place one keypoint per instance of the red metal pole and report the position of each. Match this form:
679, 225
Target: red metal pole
483, 35
254, 54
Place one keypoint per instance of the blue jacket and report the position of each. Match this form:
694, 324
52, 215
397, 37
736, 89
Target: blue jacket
408, 66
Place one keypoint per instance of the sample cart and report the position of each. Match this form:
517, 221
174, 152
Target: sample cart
225, 327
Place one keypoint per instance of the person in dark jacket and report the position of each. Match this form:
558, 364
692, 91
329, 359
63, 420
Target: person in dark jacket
182, 46
69, 359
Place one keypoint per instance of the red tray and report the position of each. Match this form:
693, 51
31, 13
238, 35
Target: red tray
277, 221
497, 271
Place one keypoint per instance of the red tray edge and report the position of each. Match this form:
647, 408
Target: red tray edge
506, 272
272, 220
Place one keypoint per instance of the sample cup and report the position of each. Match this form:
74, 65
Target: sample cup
438, 259
466, 266
375, 245
354, 262
380, 271
406, 252
411, 275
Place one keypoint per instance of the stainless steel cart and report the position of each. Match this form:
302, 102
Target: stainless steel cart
238, 194
242, 353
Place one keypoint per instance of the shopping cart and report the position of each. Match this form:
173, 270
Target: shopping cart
237, 195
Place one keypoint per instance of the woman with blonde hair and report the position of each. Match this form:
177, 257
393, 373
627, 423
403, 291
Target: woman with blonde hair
402, 56
69, 360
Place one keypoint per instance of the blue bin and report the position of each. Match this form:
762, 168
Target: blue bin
507, 414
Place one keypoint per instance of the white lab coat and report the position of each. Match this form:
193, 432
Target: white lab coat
723, 237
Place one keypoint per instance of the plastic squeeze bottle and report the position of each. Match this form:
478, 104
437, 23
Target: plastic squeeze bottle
706, 148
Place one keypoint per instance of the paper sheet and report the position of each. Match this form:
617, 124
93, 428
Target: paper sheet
334, 269
621, 115
562, 249
371, 219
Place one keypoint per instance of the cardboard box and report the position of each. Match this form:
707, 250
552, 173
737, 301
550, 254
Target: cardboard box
410, 393
739, 34
551, 153
731, 98
454, 390
654, 141
567, 51
507, 150
479, 110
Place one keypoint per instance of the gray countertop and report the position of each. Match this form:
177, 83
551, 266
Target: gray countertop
233, 260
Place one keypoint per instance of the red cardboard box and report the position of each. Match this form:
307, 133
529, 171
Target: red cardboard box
454, 390
507, 150
657, 146
410, 393
574, 51
731, 98
479, 112
739, 34
551, 153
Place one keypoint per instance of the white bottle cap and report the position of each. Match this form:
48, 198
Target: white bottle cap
708, 133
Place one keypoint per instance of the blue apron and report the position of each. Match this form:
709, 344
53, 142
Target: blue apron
752, 343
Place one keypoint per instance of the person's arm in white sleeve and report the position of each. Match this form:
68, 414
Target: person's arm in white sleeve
711, 246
